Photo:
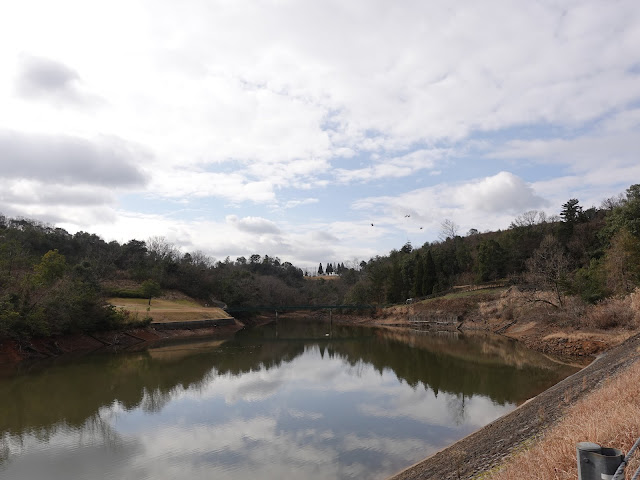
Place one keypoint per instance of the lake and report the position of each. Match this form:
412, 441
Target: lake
287, 400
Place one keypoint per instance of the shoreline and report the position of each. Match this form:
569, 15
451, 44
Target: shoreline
489, 447
469, 457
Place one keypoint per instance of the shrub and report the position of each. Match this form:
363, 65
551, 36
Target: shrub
612, 313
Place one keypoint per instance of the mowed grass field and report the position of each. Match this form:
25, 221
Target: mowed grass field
165, 311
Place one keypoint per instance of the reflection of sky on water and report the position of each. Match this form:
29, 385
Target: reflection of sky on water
314, 417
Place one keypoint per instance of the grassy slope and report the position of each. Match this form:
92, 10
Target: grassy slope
163, 310
609, 416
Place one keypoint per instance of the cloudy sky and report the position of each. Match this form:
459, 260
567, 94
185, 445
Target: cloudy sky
287, 127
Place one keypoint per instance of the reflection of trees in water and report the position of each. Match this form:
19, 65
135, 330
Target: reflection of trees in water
153, 401
70, 393
76, 393
455, 367
5, 450
98, 427
455, 407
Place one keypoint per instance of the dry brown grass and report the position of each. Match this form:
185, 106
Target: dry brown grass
329, 278
612, 313
162, 310
609, 416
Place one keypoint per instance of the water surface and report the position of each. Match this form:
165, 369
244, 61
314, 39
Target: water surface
296, 400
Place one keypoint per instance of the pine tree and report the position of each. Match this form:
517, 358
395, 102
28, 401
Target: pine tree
429, 274
419, 280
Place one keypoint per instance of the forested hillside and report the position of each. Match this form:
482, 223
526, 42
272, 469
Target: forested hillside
592, 253
54, 282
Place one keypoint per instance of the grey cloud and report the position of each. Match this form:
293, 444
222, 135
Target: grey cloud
44, 78
254, 225
324, 237
70, 160
36, 193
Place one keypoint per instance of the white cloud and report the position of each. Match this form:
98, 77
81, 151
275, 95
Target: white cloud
485, 204
250, 103
296, 203
503, 192
395, 167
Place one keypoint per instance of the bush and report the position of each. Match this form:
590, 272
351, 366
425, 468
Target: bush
612, 313
126, 293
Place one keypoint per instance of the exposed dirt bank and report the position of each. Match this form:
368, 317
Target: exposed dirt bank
12, 352
504, 313
488, 447
474, 454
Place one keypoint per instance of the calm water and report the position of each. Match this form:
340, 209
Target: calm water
292, 401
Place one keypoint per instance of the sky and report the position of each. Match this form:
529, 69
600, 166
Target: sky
314, 131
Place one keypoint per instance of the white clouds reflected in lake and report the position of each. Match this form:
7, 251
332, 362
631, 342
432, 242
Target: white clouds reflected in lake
330, 409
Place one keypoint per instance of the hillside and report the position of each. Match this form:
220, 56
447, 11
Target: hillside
53, 282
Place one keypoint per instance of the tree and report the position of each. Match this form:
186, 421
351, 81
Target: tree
430, 274
627, 215
50, 268
320, 270
448, 229
394, 282
548, 268
529, 219
161, 249
491, 260
571, 211
622, 263
329, 269
419, 278
150, 289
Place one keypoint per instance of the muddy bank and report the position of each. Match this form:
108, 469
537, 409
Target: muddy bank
12, 351
488, 447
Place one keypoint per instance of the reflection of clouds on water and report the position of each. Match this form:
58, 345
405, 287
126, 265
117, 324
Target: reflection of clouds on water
300, 414
288, 421
424, 406
310, 416
70, 453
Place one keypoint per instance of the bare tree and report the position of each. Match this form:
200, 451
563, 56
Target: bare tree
622, 263
162, 249
448, 229
529, 218
547, 269
612, 202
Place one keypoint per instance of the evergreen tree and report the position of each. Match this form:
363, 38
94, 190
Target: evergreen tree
430, 276
418, 285
491, 261
571, 211
394, 290
320, 270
